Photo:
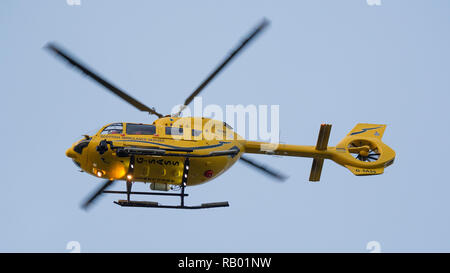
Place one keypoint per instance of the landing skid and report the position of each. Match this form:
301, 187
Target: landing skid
151, 204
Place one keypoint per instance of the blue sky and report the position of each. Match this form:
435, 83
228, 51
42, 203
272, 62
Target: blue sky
340, 62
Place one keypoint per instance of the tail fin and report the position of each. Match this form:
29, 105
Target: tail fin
365, 153
368, 130
361, 151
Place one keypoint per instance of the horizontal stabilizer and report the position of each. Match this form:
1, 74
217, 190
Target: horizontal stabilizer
324, 136
316, 169
322, 144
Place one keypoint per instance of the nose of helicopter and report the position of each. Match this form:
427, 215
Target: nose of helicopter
71, 153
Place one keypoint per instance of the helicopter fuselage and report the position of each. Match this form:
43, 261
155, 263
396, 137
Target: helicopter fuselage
177, 138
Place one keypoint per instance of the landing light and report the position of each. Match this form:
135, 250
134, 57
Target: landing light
129, 177
99, 174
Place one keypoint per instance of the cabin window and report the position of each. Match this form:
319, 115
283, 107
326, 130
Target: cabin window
174, 131
140, 129
115, 128
228, 126
196, 132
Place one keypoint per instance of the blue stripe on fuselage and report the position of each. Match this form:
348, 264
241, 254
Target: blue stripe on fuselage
176, 147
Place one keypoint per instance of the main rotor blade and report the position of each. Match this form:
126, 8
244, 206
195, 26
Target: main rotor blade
219, 68
275, 174
83, 68
96, 194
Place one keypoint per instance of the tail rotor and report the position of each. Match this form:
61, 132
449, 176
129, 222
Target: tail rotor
364, 150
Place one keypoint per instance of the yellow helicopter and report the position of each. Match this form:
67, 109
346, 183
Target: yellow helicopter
175, 152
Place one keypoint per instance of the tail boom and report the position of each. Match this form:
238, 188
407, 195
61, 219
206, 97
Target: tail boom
361, 151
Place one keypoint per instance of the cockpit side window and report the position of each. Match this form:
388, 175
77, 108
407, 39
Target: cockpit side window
115, 128
140, 129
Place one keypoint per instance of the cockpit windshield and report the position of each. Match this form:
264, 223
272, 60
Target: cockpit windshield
140, 129
115, 128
